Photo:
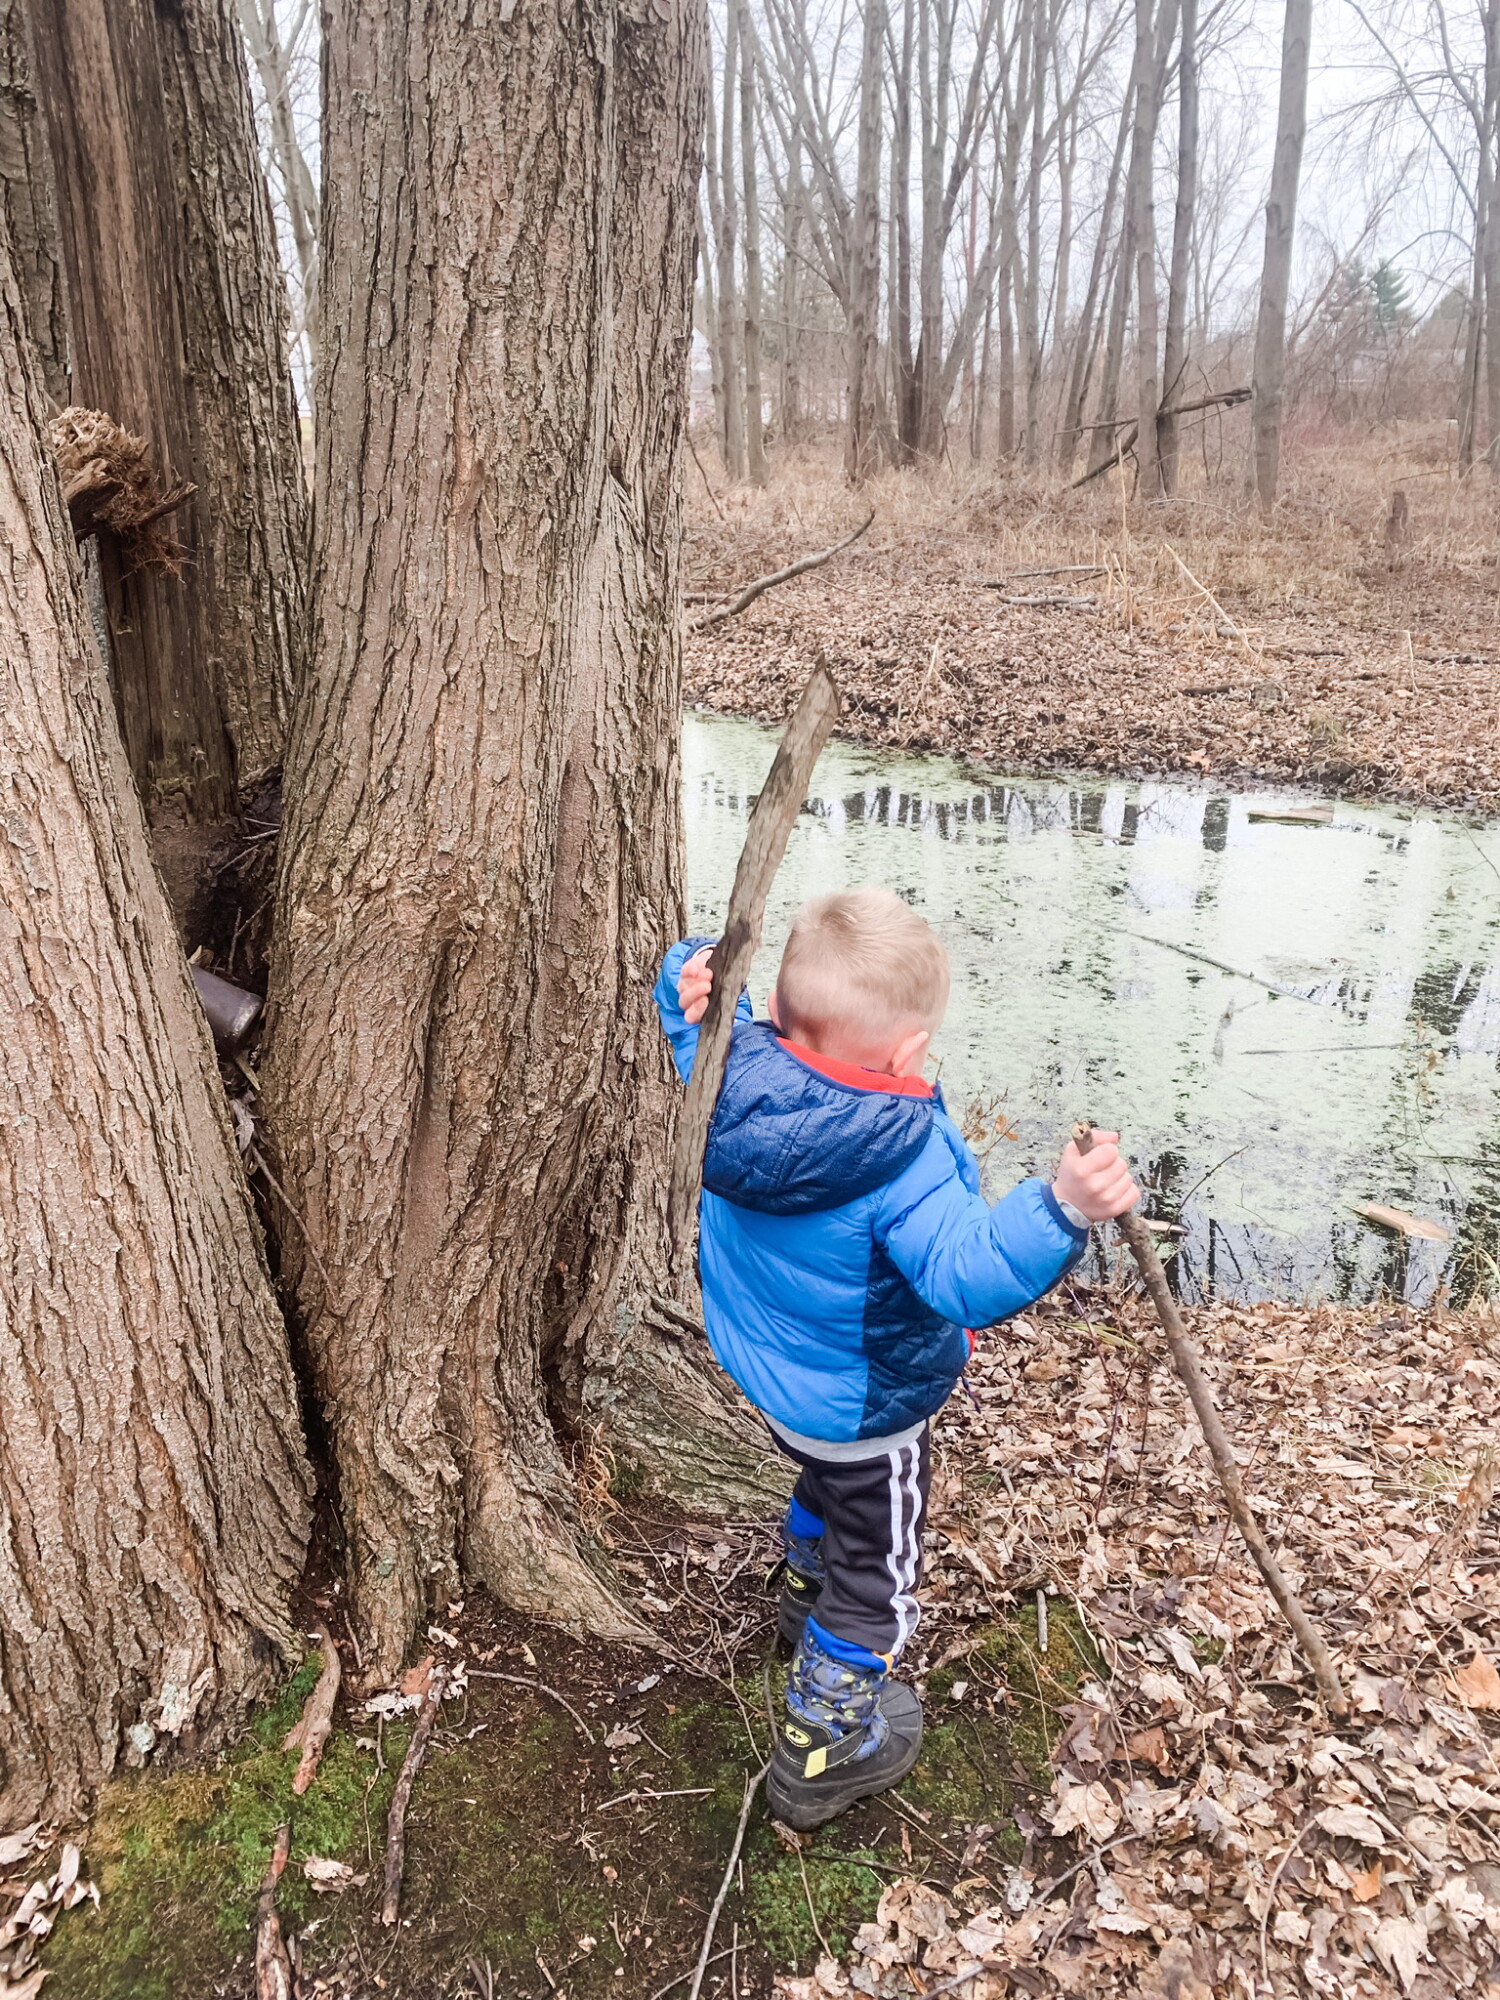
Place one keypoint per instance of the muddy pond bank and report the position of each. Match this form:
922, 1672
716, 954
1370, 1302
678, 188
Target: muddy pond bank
1288, 1005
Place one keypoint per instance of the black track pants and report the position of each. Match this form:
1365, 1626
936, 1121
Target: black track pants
872, 1512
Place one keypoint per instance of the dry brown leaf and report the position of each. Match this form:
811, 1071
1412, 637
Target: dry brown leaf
416, 1680
1149, 1746
1477, 1684
1364, 1886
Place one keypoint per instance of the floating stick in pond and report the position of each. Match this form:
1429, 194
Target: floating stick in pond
1189, 1366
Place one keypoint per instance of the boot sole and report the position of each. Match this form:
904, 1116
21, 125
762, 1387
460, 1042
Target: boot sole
805, 1803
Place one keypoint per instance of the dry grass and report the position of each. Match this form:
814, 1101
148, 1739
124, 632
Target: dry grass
1346, 659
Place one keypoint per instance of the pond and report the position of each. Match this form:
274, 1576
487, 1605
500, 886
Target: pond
1286, 1007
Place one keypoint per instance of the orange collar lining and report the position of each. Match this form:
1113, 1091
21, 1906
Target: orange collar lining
856, 1078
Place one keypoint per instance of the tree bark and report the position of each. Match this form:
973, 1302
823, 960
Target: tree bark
30, 206
1175, 353
755, 426
1269, 376
154, 1499
467, 1083
177, 328
1086, 339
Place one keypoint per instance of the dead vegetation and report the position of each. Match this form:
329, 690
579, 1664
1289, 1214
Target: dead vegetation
1222, 1835
111, 487
991, 616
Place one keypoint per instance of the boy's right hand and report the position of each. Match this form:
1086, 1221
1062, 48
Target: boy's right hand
1097, 1183
694, 984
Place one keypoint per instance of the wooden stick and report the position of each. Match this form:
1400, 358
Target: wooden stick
395, 1833
753, 590
752, 1785
273, 1966
1189, 1366
766, 837
311, 1733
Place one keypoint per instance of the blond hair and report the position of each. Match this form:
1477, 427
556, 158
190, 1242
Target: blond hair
861, 958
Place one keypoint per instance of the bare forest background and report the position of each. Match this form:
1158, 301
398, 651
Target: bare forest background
972, 232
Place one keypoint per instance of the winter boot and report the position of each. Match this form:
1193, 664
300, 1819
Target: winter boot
800, 1571
850, 1732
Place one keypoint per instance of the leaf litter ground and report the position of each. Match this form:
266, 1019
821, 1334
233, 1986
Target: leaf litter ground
1129, 1792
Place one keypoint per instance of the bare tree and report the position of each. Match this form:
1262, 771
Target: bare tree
755, 430
1175, 354
275, 55
864, 255
1269, 381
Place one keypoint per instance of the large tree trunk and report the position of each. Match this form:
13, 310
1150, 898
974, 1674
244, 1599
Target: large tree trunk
1269, 377
467, 1083
177, 325
153, 1494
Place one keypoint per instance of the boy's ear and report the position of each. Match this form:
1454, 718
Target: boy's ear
773, 1010
906, 1057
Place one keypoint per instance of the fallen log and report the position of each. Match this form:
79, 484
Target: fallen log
1189, 1365
763, 583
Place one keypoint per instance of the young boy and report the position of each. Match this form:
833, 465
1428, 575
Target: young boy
844, 1251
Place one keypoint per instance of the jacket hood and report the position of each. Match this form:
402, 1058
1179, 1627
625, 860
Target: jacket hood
788, 1140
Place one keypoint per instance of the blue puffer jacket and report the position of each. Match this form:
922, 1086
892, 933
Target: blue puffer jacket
844, 1246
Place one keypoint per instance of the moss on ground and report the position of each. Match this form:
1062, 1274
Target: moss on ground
517, 1852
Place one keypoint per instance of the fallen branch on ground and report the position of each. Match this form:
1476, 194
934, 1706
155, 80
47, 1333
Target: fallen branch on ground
752, 1785
311, 1733
524, 1680
395, 1834
1189, 1366
763, 583
273, 1966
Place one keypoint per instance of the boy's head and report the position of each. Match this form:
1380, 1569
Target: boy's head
863, 979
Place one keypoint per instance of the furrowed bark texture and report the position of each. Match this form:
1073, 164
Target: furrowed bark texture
153, 1494
27, 194
481, 865
177, 321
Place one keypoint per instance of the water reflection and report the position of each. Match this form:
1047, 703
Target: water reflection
1283, 1016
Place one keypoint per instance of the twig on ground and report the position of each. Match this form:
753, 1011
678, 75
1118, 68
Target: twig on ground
763, 583
273, 1967
311, 1732
1185, 1359
752, 1785
1265, 1915
683, 1977
395, 1838
522, 1680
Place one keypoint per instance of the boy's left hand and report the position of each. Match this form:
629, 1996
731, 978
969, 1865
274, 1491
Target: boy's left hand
1098, 1183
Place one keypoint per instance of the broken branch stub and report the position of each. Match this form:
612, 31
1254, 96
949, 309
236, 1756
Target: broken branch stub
766, 837
1189, 1365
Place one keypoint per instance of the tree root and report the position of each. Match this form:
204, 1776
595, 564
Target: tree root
673, 1418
